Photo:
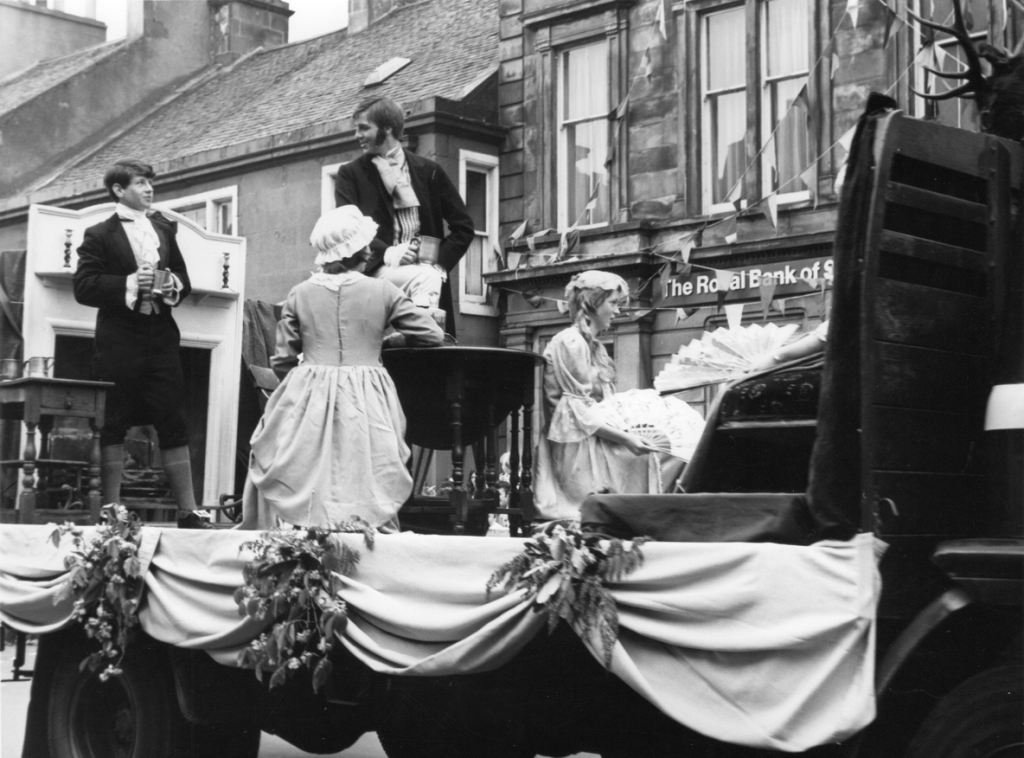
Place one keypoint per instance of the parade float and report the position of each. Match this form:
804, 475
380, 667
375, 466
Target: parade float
841, 571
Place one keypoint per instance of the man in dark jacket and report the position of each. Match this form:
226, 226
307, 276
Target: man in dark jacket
130, 267
409, 197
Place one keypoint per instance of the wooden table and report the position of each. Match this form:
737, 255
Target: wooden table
454, 397
36, 401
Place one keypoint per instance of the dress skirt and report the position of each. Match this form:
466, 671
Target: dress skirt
331, 446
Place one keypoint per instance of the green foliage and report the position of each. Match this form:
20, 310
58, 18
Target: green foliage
105, 577
292, 581
567, 573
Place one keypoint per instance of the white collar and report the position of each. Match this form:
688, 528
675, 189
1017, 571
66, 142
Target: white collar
397, 154
130, 214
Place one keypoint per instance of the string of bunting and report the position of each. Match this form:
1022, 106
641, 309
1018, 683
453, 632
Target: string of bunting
930, 52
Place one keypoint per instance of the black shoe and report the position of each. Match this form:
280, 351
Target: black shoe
194, 520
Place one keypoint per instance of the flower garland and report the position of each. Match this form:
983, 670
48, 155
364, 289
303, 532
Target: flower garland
292, 581
106, 575
566, 572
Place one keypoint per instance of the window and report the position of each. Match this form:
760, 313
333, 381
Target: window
958, 112
724, 72
213, 211
777, 120
478, 183
785, 67
583, 131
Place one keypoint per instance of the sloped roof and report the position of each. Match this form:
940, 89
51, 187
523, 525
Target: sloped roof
451, 43
22, 86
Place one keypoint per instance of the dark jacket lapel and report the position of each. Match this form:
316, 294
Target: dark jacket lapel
119, 241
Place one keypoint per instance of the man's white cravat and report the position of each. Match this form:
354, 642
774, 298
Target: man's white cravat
146, 247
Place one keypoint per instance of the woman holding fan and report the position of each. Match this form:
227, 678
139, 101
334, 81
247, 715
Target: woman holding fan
594, 439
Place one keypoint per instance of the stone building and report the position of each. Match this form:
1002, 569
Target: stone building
246, 133
705, 130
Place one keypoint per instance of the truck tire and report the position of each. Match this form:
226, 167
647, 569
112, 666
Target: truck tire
979, 718
133, 715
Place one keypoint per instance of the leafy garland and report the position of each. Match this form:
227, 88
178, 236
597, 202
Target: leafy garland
567, 572
292, 582
106, 575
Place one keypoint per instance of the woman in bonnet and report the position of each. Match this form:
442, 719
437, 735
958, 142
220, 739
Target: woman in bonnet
331, 443
594, 438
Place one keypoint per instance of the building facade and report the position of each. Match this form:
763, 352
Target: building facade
676, 140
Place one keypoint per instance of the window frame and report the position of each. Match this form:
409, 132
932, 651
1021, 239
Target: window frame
546, 32
213, 200
690, 17
469, 304
562, 173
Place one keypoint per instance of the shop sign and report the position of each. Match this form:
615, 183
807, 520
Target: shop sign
700, 286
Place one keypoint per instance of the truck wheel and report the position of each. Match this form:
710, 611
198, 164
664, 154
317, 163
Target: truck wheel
979, 718
128, 716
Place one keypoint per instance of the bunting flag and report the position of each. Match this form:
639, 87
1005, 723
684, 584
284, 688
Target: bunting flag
519, 231
533, 298
835, 64
620, 111
563, 307
659, 20
500, 257
688, 243
646, 65
682, 314
772, 201
891, 20
853, 8
685, 270
738, 205
531, 242
734, 315
736, 192
781, 304
767, 288
941, 57
847, 139
666, 275
569, 242
809, 176
724, 279
728, 229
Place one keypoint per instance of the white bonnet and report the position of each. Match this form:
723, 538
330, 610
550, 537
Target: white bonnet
341, 233
594, 279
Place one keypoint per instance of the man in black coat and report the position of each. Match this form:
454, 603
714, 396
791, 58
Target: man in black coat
408, 196
130, 268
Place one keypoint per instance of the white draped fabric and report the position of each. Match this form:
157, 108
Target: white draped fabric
758, 644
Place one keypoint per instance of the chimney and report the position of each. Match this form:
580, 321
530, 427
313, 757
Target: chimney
365, 13
239, 26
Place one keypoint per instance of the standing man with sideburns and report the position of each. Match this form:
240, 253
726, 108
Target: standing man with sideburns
130, 268
408, 196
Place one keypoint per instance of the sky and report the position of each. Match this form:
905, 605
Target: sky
311, 19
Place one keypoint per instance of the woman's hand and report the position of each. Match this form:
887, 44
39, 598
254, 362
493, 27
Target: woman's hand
638, 445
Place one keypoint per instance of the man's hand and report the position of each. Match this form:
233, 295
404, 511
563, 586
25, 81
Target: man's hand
408, 257
145, 275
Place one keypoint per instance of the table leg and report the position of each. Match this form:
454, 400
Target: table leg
457, 498
526, 490
28, 481
95, 496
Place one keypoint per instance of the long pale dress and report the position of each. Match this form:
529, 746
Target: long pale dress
580, 397
331, 443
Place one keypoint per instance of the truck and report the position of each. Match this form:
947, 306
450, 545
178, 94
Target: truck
907, 429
